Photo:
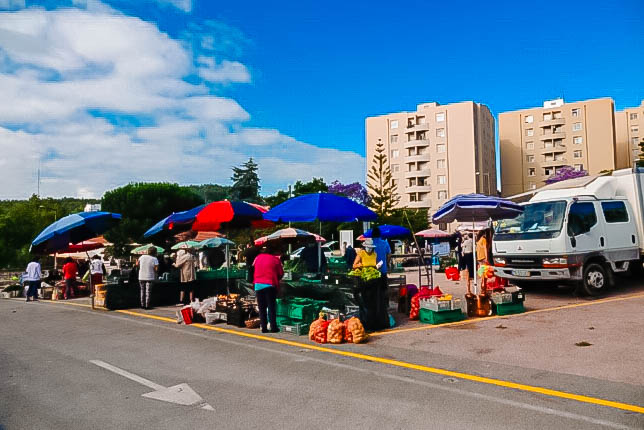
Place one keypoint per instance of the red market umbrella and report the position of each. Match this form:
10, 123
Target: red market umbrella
82, 247
289, 234
227, 214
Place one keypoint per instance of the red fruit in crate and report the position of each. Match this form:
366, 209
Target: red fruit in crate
436, 291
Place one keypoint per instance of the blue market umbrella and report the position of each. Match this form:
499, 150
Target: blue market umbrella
183, 219
73, 228
476, 207
388, 231
320, 207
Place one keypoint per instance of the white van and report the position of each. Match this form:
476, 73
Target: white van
578, 231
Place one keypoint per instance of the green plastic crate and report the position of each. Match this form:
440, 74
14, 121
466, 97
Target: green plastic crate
430, 317
509, 308
282, 307
283, 321
296, 328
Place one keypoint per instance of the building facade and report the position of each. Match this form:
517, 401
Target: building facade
535, 143
436, 152
629, 125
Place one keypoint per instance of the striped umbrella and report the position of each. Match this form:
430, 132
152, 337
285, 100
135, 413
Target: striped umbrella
290, 235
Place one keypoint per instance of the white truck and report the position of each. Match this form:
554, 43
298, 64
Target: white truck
581, 231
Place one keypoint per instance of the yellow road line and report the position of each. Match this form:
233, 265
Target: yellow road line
534, 311
402, 364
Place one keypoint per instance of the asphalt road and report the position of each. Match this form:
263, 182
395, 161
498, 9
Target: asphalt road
50, 382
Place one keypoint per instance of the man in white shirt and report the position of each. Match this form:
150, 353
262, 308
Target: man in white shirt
468, 259
33, 278
148, 267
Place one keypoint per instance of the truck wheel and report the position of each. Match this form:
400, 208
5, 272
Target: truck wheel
595, 280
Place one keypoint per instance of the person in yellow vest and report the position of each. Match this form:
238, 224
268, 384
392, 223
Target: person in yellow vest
367, 256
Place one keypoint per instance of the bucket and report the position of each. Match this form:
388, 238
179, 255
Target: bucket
186, 313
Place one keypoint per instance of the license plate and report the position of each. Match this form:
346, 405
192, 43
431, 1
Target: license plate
524, 273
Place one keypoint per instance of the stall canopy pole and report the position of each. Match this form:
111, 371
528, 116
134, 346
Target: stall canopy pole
474, 255
227, 264
420, 254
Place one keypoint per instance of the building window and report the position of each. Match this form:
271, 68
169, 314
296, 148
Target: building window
412, 197
579, 167
440, 148
529, 132
548, 144
633, 116
634, 141
532, 171
529, 158
577, 140
529, 119
547, 116
576, 112
393, 138
395, 153
557, 115
395, 168
440, 132
440, 163
635, 129
576, 126
533, 186
442, 180
442, 195
549, 171
394, 124
529, 145
440, 117
576, 154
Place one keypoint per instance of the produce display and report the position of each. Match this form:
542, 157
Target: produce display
366, 273
318, 330
485, 271
354, 331
335, 331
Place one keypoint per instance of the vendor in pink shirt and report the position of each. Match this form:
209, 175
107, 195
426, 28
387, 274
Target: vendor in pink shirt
267, 274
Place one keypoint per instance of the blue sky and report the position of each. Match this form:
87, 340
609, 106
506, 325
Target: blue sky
289, 77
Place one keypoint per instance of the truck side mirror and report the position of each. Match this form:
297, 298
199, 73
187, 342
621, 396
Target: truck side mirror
573, 241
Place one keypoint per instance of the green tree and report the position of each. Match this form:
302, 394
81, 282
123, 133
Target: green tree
142, 205
22, 220
212, 192
380, 185
246, 182
315, 185
640, 161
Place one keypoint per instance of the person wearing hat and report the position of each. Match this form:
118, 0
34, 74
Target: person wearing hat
367, 256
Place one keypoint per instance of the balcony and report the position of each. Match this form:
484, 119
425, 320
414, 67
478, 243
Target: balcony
417, 127
415, 143
556, 163
417, 174
422, 204
418, 188
559, 135
554, 121
416, 158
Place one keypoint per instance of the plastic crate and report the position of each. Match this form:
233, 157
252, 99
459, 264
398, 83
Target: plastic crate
436, 305
302, 312
430, 317
297, 329
509, 308
501, 298
283, 321
457, 304
282, 307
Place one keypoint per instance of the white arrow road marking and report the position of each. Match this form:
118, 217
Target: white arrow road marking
180, 394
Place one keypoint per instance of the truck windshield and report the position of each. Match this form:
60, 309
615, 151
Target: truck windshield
542, 220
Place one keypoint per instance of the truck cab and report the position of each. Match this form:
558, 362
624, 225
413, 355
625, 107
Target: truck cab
579, 234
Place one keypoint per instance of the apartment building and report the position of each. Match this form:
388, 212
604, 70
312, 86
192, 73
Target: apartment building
436, 152
534, 143
629, 126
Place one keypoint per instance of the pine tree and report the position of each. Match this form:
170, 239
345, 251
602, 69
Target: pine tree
380, 185
246, 182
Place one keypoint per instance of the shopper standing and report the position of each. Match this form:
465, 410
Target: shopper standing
148, 268
468, 259
349, 255
70, 270
186, 263
34, 274
267, 275
97, 270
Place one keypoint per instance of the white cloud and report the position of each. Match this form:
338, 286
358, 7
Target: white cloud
98, 99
